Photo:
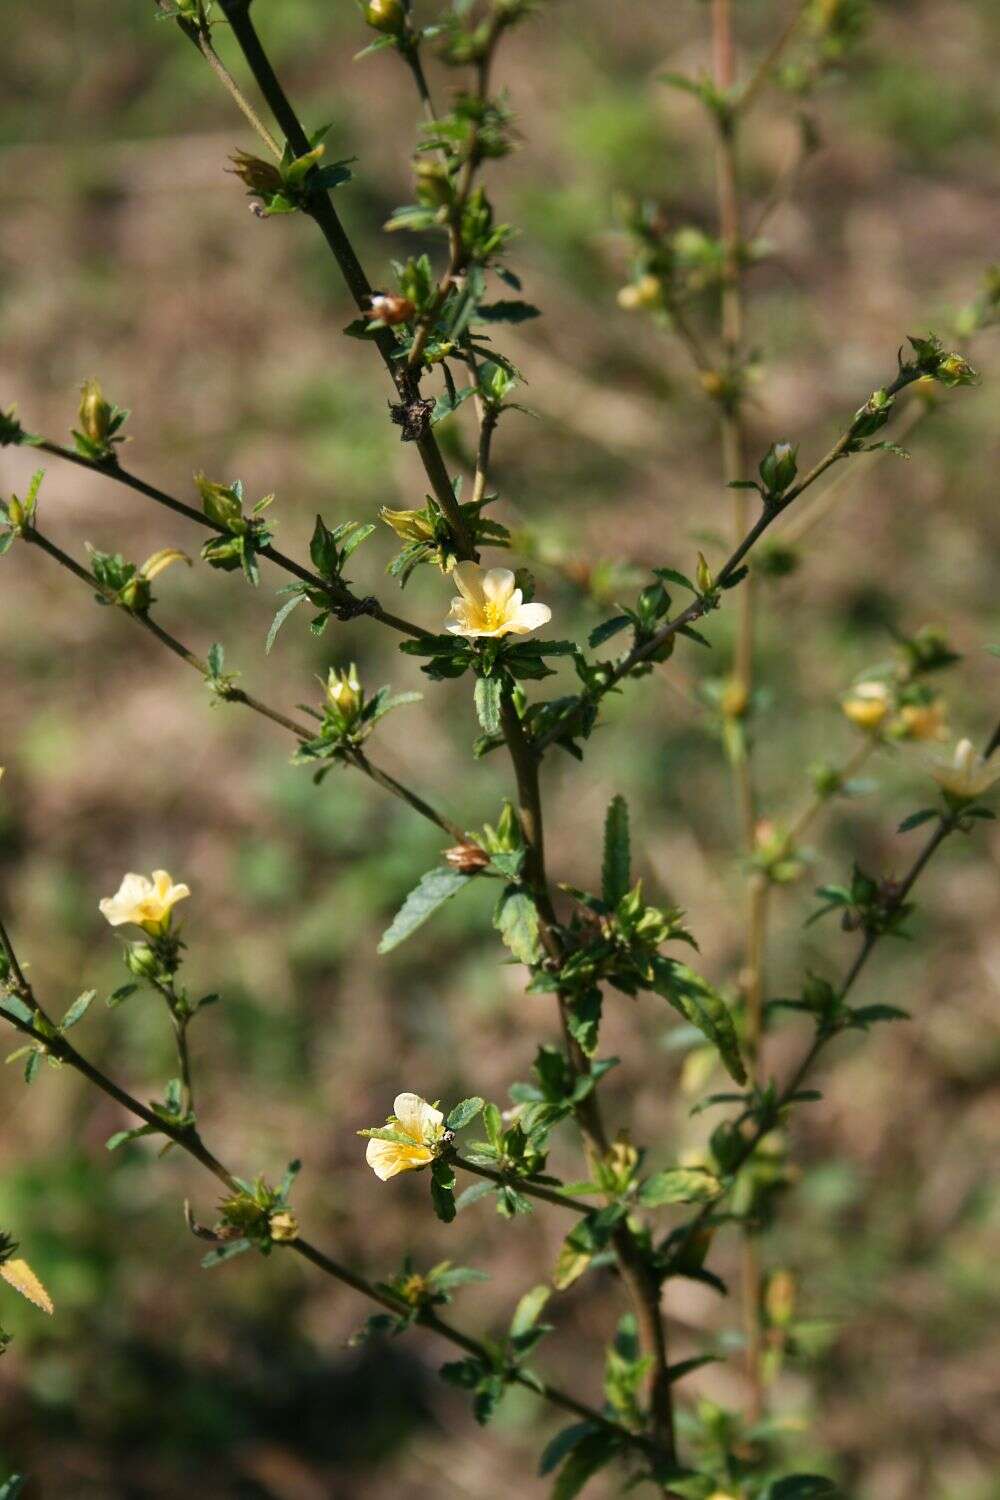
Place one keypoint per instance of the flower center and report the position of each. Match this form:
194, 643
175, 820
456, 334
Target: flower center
493, 614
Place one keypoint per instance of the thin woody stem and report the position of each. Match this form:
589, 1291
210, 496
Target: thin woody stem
234, 694
519, 1185
642, 1287
338, 594
189, 1140
320, 208
762, 74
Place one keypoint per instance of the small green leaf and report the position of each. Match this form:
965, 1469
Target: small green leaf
434, 889
279, 620
443, 1190
803, 1487
915, 819
463, 1114
587, 1458
528, 1310
489, 692
516, 919
616, 869
78, 1009
679, 1185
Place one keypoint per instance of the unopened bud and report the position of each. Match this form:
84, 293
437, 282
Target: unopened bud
344, 695
391, 308
704, 577
468, 859
646, 292
735, 698
409, 525
955, 370
142, 960
220, 503
15, 512
136, 595
95, 412
778, 468
868, 705
386, 15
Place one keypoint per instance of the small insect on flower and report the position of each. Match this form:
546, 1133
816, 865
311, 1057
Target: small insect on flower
967, 775
867, 705
489, 604
409, 1139
147, 903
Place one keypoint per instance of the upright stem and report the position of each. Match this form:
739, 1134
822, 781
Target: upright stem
640, 1282
734, 467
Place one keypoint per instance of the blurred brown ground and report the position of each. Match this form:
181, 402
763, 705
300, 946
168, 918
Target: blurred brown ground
125, 252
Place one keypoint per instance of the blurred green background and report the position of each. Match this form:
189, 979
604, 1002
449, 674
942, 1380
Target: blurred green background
125, 252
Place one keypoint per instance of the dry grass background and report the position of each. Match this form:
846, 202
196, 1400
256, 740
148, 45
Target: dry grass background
126, 253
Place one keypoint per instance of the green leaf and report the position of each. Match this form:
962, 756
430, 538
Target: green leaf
698, 1003
583, 1017
434, 889
473, 1194
443, 1190
564, 1442
279, 620
226, 1252
615, 870
32, 1065
14, 1006
509, 311
12, 1487
588, 1457
607, 629
489, 692
528, 1310
679, 1185
516, 920
463, 1114
915, 819
77, 1010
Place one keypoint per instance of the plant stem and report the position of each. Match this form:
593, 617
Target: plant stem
190, 1141
234, 694
320, 208
338, 594
519, 1185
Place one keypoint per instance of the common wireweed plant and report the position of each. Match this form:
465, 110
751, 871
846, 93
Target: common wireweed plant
438, 326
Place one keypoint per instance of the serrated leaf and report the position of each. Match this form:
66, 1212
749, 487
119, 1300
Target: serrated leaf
516, 920
679, 1185
489, 692
464, 1113
616, 867
433, 890
700, 1004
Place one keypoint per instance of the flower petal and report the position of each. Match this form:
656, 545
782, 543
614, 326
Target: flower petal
468, 578
388, 1158
498, 585
416, 1117
531, 617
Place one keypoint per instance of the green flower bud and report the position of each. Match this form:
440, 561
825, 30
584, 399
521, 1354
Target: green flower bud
142, 960
778, 468
221, 504
386, 15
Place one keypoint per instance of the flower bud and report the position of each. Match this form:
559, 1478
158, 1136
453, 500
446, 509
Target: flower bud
137, 594
735, 699
386, 15
779, 1300
433, 182
704, 577
778, 468
15, 512
142, 960
646, 292
954, 370
260, 177
343, 694
467, 858
95, 413
220, 503
868, 705
924, 721
283, 1227
390, 308
409, 525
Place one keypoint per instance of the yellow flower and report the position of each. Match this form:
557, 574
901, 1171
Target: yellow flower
924, 721
422, 1126
646, 292
146, 902
967, 776
488, 604
868, 705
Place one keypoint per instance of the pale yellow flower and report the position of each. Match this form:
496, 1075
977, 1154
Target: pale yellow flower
146, 902
967, 776
422, 1126
488, 604
867, 705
